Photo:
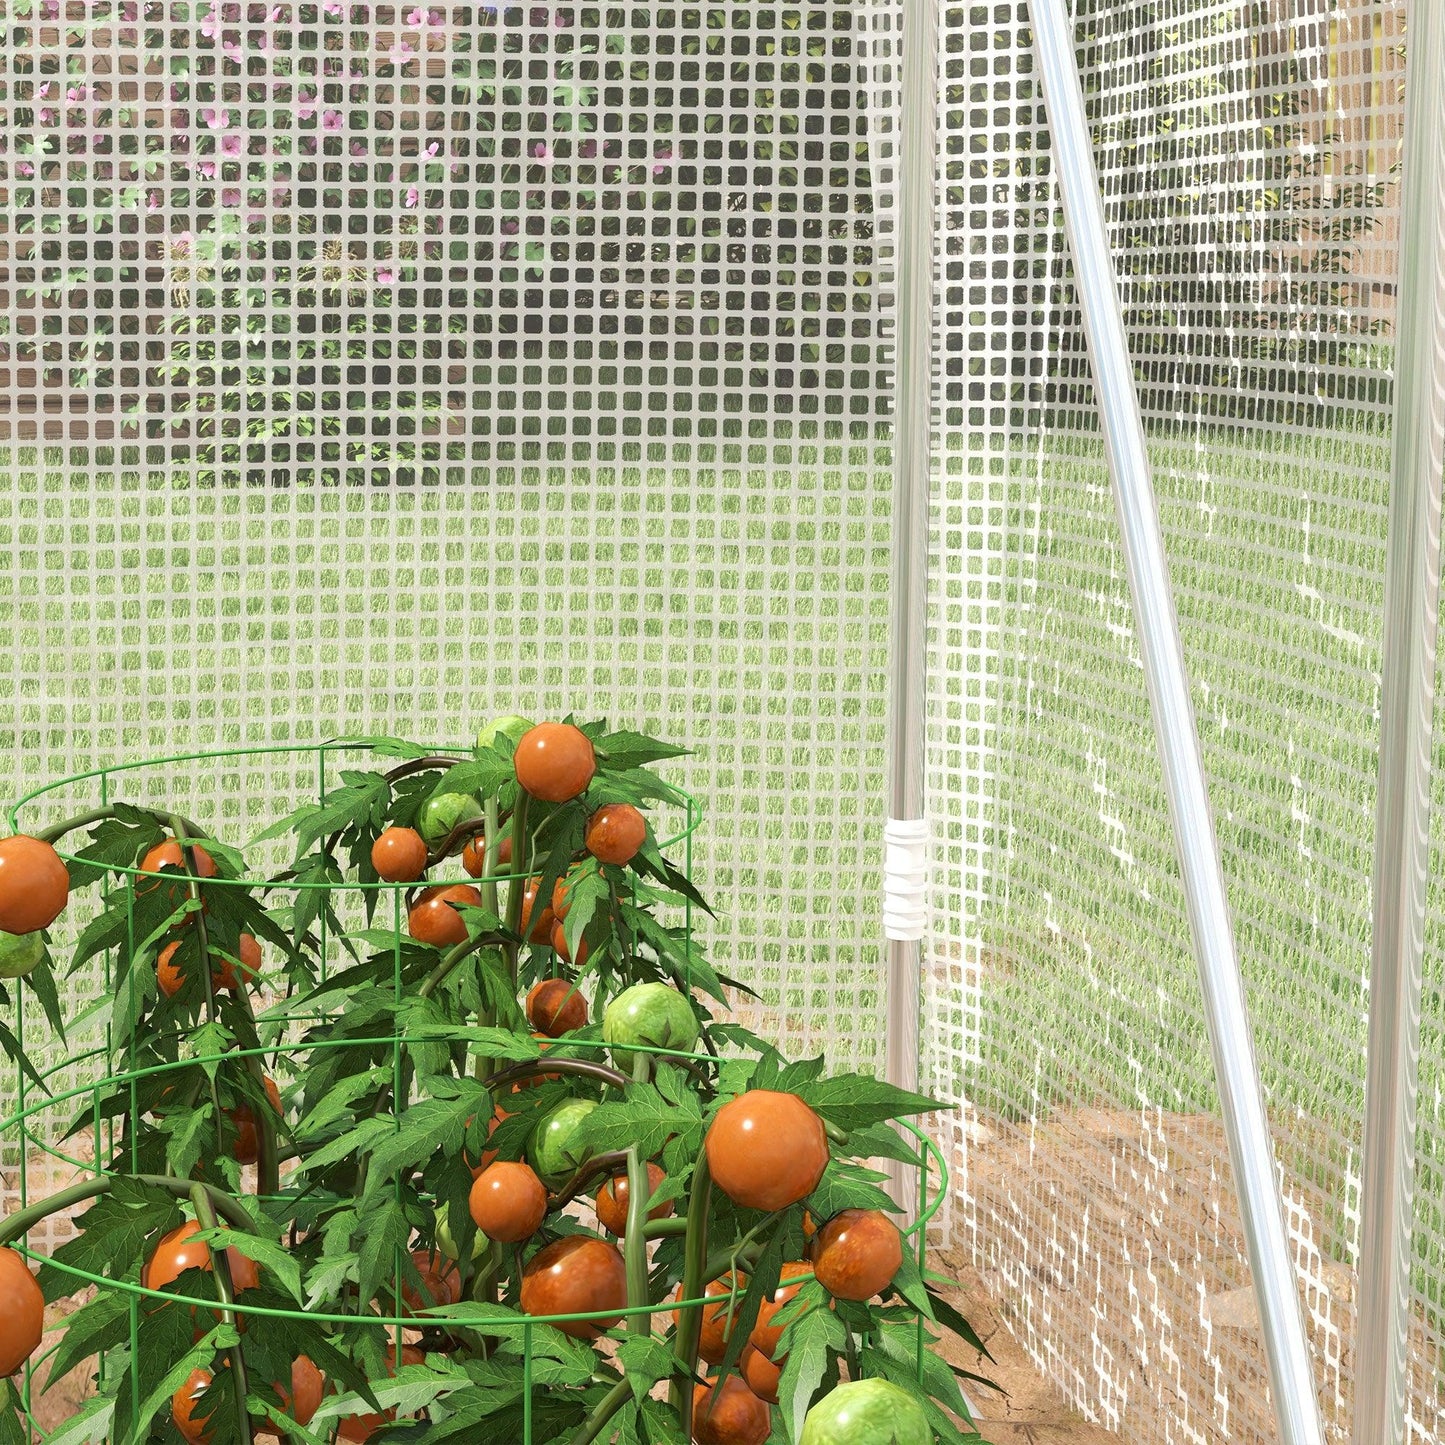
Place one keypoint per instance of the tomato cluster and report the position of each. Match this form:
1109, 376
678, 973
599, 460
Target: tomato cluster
374, 1118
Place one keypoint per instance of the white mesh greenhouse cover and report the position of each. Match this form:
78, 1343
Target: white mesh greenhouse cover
1247, 155
372, 368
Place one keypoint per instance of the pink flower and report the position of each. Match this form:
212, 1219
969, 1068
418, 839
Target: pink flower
331, 120
399, 53
210, 26
281, 196
46, 116
412, 197
385, 276
43, 89
418, 17
231, 196
332, 8
232, 51
75, 93
276, 14
207, 169
539, 150
358, 147
214, 118
587, 148
153, 201
433, 148
231, 145
25, 168
305, 107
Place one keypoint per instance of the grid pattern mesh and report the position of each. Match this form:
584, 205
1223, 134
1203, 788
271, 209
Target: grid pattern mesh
375, 369
1247, 156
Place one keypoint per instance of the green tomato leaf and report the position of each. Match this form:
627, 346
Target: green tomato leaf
384, 1231
424, 1128
882, 1141
266, 1252
190, 1132
853, 1101
646, 1359
112, 1233
366, 1135
622, 750
99, 1325
90, 1427
642, 1117
848, 1186
808, 1341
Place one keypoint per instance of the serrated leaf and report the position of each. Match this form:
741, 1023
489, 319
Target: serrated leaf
387, 747
646, 1360
41, 981
586, 893
189, 1132
481, 778
350, 1145
622, 750
848, 1186
809, 1340
90, 1426
661, 1424
908, 1284
950, 1319
424, 1128
113, 1230
881, 1141
266, 1252
96, 1326
384, 1233
177, 1375
641, 1117
853, 1101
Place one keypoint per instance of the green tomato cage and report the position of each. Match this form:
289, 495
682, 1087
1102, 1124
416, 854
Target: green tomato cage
36, 1125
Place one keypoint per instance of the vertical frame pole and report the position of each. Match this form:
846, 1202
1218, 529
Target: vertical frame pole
1291, 1375
1407, 697
905, 835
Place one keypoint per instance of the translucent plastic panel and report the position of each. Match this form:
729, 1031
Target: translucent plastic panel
1246, 156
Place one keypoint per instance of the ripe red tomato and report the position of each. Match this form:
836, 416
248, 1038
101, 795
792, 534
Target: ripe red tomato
360, 1428
541, 930
555, 1006
432, 918
736, 1417
766, 1150
614, 1199
170, 854
34, 884
474, 855
615, 833
559, 945
22, 1312
761, 1374
223, 975
440, 1283
857, 1253
300, 1402
555, 762
180, 1250
576, 1275
718, 1319
508, 1202
765, 1336
247, 1148
399, 855
194, 1428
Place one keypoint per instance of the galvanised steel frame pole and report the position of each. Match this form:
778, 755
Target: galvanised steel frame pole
905, 838
1407, 697
1286, 1345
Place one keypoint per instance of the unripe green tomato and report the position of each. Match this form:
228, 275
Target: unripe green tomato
448, 1245
510, 726
867, 1412
442, 812
551, 1149
649, 1013
19, 953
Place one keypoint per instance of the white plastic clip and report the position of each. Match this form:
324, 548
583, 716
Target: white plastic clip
905, 878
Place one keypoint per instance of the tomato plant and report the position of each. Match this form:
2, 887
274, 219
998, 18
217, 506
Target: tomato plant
393, 1154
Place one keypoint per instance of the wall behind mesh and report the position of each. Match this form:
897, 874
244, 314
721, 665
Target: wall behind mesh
1246, 155
377, 369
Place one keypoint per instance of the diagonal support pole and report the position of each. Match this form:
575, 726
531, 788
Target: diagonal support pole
1296, 1402
1407, 703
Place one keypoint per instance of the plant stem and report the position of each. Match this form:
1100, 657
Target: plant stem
585, 1068
225, 1292
516, 890
665, 1228
602, 1412
57, 831
15, 1225
835, 1134
608, 1164
689, 1330
635, 1245
452, 958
